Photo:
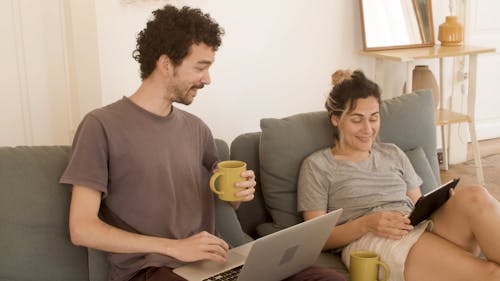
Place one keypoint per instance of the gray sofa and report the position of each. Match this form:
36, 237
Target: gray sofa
34, 235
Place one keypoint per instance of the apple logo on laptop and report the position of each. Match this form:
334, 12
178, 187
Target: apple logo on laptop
288, 254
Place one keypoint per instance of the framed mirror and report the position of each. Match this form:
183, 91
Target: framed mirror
393, 24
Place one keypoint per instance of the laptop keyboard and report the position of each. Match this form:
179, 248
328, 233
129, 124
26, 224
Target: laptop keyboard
230, 274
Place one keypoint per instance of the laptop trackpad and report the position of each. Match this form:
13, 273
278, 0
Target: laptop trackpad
204, 269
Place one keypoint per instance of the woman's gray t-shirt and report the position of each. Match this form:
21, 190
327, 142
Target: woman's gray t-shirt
377, 183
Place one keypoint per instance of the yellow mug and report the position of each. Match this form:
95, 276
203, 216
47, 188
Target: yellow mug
227, 175
364, 265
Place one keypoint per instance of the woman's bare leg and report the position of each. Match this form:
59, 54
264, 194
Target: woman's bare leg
433, 258
471, 219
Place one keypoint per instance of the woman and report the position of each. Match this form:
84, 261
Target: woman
377, 187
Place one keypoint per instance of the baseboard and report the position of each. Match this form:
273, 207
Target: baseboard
488, 128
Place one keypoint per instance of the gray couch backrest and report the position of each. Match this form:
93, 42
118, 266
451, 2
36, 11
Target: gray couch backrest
407, 121
34, 232
34, 235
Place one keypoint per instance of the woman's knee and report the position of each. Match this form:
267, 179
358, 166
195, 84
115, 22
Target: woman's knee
475, 198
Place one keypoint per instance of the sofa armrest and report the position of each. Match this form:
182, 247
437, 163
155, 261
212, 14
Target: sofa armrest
227, 225
268, 228
222, 149
251, 214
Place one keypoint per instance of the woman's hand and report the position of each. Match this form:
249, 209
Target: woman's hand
388, 224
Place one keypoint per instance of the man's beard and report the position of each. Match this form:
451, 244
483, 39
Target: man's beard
184, 97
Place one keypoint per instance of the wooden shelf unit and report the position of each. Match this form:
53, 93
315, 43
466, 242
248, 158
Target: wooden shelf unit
444, 116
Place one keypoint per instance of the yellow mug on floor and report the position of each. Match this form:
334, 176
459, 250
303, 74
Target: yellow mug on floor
364, 265
227, 175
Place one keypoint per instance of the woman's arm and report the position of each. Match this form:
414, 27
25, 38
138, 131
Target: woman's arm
389, 224
342, 234
414, 194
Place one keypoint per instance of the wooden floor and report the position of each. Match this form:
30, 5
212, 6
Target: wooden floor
490, 156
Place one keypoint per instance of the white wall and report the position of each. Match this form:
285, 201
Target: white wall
275, 60
484, 30
11, 96
67, 57
83, 59
33, 100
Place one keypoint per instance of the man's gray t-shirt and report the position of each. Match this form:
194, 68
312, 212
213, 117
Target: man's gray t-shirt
153, 172
377, 183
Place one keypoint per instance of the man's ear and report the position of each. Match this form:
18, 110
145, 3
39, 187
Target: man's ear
335, 120
164, 64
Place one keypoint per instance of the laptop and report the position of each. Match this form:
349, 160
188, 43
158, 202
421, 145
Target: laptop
269, 258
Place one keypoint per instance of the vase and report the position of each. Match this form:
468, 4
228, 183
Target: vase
451, 32
424, 79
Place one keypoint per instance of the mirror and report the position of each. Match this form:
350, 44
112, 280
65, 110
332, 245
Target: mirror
393, 24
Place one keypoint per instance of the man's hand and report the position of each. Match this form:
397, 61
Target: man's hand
201, 246
389, 224
247, 194
248, 186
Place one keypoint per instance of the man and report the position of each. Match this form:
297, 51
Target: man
144, 165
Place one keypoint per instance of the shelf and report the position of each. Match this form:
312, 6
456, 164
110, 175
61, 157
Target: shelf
447, 117
405, 55
444, 116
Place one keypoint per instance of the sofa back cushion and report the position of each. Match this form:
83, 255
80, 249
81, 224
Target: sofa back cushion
245, 147
34, 206
407, 121
34, 235
284, 144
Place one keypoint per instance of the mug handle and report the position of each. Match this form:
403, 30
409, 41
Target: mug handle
212, 183
386, 270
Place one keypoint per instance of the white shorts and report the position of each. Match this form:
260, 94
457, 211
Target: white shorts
393, 252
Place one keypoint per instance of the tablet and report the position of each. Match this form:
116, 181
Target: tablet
430, 202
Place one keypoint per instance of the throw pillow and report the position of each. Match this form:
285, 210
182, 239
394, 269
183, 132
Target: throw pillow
284, 144
423, 169
408, 121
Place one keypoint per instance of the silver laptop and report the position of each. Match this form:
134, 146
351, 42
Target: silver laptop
270, 258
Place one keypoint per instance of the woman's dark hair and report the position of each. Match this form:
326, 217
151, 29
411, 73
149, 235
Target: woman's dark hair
172, 31
348, 87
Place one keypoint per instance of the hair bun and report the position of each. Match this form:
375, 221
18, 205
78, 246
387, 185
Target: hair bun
340, 76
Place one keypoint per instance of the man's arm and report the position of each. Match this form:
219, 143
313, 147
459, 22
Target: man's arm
87, 229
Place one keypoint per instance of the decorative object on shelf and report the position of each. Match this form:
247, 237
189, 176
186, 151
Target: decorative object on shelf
451, 32
424, 79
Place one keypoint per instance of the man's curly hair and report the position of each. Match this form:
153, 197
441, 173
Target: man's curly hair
172, 31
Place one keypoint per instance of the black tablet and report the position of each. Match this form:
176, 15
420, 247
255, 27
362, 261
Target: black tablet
430, 202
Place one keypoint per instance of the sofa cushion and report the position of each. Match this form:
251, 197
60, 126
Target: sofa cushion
423, 168
251, 214
284, 144
407, 121
34, 234
98, 265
